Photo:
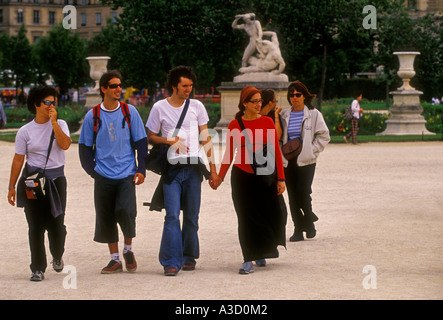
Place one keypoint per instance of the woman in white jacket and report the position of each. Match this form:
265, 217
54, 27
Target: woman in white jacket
304, 121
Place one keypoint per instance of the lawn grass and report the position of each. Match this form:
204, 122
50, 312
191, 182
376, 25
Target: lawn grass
405, 138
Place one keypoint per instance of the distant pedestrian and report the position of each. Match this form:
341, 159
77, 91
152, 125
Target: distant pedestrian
356, 112
2, 116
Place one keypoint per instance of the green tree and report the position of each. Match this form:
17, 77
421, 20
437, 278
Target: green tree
5, 59
399, 32
154, 36
63, 56
21, 61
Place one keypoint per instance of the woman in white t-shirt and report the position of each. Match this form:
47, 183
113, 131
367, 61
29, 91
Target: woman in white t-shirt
44, 206
356, 112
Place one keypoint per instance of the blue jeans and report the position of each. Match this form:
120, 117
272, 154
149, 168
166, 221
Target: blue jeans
184, 192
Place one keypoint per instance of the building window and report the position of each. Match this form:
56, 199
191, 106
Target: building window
20, 16
83, 17
51, 18
36, 17
1, 16
99, 18
114, 17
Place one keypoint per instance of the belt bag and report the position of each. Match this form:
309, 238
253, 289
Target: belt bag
292, 149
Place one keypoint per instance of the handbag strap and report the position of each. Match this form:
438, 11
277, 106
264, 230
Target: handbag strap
182, 117
51, 140
242, 128
247, 141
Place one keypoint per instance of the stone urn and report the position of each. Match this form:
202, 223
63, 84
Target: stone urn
406, 117
98, 66
406, 70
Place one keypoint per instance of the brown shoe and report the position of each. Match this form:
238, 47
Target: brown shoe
112, 267
171, 271
131, 264
188, 267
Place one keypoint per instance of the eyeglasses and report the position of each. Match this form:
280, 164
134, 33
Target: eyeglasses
114, 85
298, 95
256, 101
48, 102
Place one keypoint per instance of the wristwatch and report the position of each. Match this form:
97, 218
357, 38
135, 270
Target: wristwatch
13, 187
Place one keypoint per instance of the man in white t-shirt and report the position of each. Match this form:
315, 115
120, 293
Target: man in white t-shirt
179, 248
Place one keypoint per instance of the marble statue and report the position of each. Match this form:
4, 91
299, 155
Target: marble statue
262, 60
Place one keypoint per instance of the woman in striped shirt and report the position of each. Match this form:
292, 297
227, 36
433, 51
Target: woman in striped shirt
302, 121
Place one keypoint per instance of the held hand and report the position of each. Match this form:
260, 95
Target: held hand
215, 181
281, 187
138, 178
179, 145
11, 197
277, 110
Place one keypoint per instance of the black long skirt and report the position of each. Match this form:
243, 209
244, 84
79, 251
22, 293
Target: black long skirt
261, 222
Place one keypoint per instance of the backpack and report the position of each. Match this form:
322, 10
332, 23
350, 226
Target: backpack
348, 115
97, 123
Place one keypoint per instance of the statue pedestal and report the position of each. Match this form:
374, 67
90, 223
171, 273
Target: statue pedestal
406, 118
92, 99
267, 77
230, 97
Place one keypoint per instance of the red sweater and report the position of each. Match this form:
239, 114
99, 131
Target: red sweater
258, 134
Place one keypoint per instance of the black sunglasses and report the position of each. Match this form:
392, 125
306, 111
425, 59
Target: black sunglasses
298, 95
114, 85
48, 102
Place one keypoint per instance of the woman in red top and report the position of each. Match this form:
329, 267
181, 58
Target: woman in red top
255, 191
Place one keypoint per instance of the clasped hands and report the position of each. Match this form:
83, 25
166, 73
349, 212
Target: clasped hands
215, 181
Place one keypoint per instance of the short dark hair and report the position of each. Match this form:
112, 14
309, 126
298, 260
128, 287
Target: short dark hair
106, 77
176, 73
37, 95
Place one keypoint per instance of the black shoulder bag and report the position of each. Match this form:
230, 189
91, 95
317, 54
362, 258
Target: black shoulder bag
157, 158
269, 177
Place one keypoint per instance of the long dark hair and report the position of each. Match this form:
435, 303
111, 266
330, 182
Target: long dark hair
300, 87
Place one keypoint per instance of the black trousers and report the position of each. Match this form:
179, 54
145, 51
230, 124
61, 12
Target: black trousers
298, 183
40, 220
261, 224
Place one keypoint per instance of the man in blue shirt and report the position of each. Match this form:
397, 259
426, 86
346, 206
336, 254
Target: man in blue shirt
110, 159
